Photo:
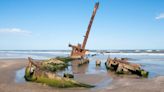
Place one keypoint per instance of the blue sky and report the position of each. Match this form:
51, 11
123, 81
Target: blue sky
52, 24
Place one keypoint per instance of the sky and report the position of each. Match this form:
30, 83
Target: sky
53, 24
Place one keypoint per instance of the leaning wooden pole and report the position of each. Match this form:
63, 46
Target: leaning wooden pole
90, 24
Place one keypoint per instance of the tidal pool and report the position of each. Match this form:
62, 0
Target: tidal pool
19, 76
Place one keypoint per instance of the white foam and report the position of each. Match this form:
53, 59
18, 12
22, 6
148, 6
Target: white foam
136, 54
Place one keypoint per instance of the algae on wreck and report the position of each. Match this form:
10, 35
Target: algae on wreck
43, 74
121, 66
65, 59
29, 76
55, 81
62, 83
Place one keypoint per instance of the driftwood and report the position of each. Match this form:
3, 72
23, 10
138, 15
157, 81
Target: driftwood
121, 66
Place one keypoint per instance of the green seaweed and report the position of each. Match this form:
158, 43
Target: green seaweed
62, 83
55, 82
65, 59
54, 67
29, 76
144, 73
120, 72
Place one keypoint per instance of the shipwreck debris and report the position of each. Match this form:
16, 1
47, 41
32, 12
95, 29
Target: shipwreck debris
121, 66
53, 65
98, 62
79, 51
36, 72
65, 59
67, 75
83, 61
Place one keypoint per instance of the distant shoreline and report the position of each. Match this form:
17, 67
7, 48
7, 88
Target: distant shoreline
100, 51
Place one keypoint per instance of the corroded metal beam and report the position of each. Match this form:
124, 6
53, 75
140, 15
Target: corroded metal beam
79, 51
90, 25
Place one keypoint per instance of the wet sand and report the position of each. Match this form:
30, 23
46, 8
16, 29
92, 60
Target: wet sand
8, 68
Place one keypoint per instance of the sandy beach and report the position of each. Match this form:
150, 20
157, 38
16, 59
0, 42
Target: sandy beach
8, 68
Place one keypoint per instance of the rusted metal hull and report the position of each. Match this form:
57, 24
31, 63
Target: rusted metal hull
79, 51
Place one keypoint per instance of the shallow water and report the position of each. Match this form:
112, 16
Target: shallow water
154, 63
19, 76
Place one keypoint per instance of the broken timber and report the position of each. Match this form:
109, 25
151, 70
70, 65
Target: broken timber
35, 72
80, 51
121, 66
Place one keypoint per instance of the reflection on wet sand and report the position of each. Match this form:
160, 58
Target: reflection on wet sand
76, 69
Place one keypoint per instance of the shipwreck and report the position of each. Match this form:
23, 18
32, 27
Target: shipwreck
45, 72
79, 51
122, 66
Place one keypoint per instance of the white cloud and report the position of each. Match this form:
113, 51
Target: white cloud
14, 30
160, 16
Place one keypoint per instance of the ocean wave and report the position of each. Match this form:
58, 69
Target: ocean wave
51, 52
135, 54
41, 54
